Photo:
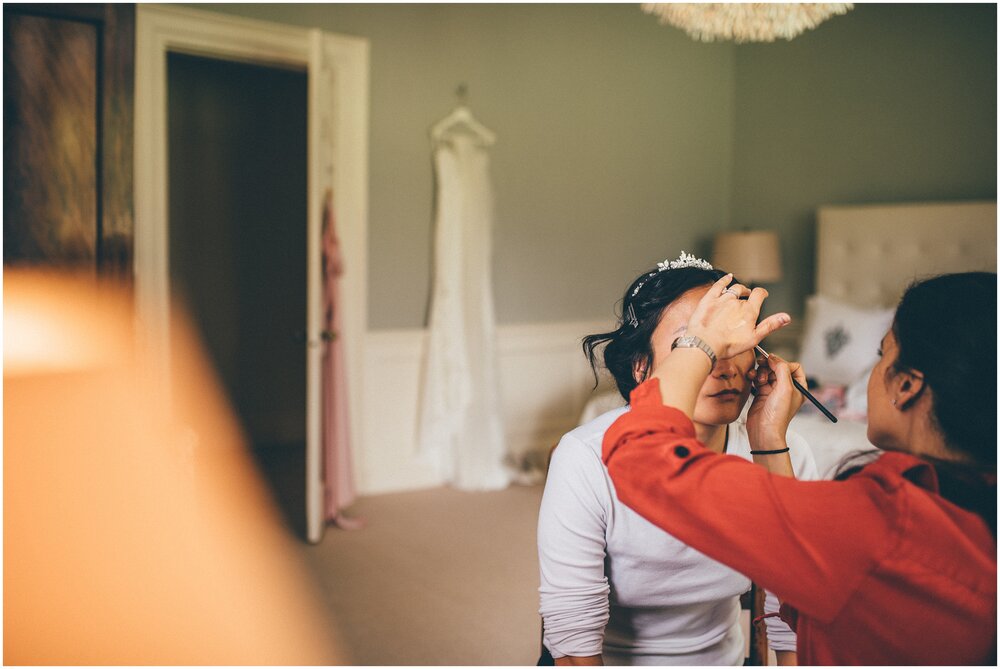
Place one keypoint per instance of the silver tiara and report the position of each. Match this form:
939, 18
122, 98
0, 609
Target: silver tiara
683, 260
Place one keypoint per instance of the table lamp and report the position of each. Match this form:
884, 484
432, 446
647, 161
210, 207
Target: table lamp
753, 256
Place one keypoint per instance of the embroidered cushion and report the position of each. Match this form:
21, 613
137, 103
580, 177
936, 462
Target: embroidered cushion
841, 341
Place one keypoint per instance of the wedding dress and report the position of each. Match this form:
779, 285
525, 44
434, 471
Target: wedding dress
461, 430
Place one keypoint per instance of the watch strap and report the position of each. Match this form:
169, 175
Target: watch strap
690, 341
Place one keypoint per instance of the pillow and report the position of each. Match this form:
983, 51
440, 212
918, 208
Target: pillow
841, 341
856, 398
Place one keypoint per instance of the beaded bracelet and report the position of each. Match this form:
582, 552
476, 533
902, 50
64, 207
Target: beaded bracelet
774, 452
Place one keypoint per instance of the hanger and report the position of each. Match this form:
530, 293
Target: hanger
461, 117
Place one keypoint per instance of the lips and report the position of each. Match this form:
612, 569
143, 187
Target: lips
729, 392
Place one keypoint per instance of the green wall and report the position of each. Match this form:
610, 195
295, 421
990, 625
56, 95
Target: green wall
886, 103
622, 141
614, 145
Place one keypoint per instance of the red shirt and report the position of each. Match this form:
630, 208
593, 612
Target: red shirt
877, 569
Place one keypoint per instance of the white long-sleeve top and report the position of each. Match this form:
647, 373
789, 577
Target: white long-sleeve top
612, 583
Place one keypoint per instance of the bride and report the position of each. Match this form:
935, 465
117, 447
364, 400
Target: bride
615, 588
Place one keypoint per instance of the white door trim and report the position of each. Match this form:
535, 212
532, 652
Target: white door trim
338, 157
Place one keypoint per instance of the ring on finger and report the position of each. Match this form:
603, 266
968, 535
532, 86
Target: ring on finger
731, 292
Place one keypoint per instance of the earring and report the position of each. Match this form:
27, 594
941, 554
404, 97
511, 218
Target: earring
894, 403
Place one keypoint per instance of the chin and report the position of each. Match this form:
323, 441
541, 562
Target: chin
886, 440
718, 416
879, 440
708, 411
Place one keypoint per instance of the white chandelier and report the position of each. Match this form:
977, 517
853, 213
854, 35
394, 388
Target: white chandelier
746, 22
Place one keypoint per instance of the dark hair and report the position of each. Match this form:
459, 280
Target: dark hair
630, 344
946, 328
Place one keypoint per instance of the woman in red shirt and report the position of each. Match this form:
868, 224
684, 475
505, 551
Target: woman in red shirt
893, 565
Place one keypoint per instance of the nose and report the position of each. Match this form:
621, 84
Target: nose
725, 369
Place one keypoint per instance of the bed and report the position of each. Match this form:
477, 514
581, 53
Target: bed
866, 255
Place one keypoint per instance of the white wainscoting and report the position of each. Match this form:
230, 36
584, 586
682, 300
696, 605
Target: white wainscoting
545, 382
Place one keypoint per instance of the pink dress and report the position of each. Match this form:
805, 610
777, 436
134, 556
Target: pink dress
338, 474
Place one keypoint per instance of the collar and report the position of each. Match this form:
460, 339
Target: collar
923, 473
919, 472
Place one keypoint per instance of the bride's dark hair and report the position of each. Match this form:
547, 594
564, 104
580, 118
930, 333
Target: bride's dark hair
629, 345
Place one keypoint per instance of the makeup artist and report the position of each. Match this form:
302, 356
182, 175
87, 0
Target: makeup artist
893, 565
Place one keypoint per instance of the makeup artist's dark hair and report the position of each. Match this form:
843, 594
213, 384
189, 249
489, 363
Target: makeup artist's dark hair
630, 344
946, 328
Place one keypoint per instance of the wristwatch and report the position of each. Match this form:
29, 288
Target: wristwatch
694, 342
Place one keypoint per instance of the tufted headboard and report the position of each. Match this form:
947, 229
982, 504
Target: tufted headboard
868, 254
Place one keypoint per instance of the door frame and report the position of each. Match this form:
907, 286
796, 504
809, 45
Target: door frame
337, 68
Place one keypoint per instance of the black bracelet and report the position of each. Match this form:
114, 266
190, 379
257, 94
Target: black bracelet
775, 452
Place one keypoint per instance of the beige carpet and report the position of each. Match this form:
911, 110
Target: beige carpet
437, 577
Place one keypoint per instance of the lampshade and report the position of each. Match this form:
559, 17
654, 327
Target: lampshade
753, 256
744, 21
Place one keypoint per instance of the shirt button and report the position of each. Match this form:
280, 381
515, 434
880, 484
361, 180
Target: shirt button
681, 451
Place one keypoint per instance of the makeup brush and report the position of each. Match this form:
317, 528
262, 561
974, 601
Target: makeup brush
806, 393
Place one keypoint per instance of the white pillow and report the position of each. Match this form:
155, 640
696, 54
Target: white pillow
856, 398
841, 341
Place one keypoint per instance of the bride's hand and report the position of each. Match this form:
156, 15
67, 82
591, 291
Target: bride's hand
728, 323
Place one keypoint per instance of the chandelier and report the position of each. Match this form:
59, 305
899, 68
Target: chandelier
748, 22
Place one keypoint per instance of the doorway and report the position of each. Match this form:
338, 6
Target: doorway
237, 155
337, 67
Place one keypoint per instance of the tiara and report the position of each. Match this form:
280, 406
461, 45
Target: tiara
683, 260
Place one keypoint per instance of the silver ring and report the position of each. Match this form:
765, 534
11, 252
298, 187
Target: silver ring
730, 291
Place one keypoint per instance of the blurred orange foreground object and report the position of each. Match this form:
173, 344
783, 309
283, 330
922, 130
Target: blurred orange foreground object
136, 530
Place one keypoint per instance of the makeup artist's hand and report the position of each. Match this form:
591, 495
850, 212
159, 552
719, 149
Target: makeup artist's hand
775, 401
726, 318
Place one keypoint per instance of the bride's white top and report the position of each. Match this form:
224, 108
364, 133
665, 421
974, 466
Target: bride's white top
615, 584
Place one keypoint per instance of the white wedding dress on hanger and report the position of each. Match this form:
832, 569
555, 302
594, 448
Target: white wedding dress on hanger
460, 417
